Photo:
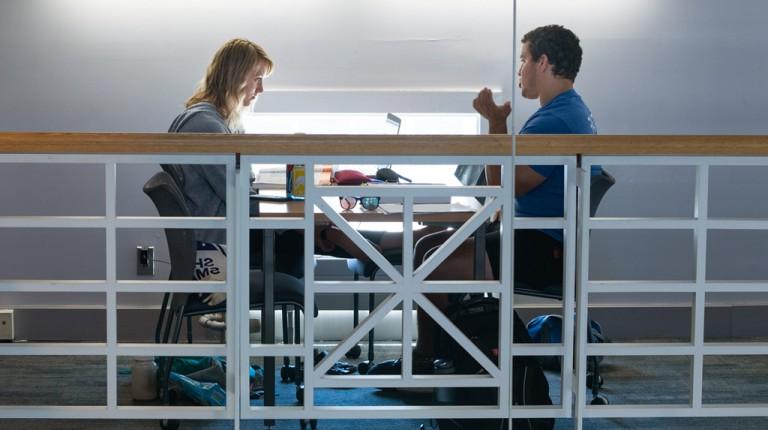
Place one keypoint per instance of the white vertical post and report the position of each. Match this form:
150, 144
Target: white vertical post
310, 197
697, 312
575, 176
506, 278
407, 288
582, 294
110, 187
238, 291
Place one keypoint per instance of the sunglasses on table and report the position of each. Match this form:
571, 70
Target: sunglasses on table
368, 203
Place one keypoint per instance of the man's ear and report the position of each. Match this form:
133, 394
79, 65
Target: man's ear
543, 63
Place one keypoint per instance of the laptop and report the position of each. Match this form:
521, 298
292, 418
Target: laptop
394, 121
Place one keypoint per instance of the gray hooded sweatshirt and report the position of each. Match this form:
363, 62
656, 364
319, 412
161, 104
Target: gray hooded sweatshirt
205, 186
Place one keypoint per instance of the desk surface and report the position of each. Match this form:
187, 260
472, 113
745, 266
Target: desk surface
460, 209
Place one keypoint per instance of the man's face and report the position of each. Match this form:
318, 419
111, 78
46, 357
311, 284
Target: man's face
528, 74
253, 84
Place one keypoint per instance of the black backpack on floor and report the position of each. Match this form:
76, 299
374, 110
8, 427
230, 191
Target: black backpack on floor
478, 318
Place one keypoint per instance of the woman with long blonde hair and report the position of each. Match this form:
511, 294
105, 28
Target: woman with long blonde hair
232, 82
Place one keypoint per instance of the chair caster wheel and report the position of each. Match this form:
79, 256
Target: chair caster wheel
364, 366
354, 352
599, 400
590, 380
169, 424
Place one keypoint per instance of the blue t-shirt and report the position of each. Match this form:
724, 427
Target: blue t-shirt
565, 114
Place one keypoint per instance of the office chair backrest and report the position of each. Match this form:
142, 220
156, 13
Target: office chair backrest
174, 170
597, 188
599, 185
182, 245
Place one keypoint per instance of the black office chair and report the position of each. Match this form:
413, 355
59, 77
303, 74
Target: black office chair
599, 185
182, 248
171, 200
174, 170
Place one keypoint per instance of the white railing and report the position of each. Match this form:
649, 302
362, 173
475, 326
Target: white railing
696, 349
405, 289
111, 286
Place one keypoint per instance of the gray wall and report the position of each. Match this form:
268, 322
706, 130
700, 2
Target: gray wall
650, 67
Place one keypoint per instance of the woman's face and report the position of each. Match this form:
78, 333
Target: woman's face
253, 84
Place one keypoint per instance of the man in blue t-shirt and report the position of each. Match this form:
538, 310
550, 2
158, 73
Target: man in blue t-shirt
550, 59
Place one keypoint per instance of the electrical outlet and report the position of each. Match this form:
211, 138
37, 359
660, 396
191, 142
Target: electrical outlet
145, 260
6, 325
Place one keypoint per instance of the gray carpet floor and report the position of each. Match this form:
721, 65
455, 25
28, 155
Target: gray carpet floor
643, 380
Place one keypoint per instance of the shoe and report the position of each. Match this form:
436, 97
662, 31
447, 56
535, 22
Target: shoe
341, 368
422, 365
388, 367
338, 368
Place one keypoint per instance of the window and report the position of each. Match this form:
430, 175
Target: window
369, 123
361, 123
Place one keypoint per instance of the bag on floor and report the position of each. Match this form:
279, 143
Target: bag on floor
187, 365
202, 393
478, 319
549, 329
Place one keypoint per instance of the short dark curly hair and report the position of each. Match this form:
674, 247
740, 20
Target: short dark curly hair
561, 47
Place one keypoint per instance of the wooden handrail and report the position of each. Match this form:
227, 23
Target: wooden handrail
494, 145
680, 145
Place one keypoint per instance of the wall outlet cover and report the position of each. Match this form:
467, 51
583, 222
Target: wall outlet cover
6, 325
145, 260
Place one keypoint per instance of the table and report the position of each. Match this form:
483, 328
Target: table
459, 210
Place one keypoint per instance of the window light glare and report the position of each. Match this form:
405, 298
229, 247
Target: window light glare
361, 123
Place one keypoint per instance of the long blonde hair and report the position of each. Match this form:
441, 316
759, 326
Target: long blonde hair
225, 78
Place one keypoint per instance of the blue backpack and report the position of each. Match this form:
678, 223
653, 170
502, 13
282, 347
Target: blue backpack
549, 329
